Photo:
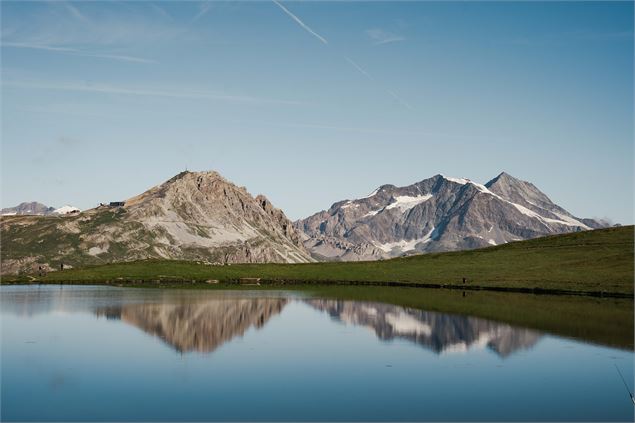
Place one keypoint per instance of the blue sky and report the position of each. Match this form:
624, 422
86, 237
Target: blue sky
314, 102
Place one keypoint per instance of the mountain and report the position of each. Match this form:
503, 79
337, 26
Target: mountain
439, 332
436, 214
32, 208
193, 216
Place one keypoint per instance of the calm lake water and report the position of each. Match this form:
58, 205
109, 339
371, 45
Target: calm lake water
112, 354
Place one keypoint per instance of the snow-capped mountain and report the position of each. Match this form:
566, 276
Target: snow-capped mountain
29, 208
437, 214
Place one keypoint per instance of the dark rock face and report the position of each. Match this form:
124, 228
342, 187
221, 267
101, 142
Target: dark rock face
436, 214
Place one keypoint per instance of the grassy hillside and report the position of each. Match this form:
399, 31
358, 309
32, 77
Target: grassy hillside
592, 261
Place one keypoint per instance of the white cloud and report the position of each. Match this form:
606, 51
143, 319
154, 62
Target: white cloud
76, 52
160, 11
74, 12
204, 8
59, 24
379, 36
38, 47
179, 92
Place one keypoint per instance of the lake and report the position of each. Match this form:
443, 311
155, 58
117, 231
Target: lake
89, 353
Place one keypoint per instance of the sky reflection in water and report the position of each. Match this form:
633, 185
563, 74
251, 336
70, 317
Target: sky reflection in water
103, 353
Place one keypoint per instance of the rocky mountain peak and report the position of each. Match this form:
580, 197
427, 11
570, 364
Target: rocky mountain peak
213, 208
522, 192
503, 177
27, 208
440, 213
505, 180
191, 216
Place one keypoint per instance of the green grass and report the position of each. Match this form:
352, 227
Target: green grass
584, 262
40, 236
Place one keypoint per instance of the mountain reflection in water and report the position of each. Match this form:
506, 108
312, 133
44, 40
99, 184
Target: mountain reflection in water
438, 332
203, 326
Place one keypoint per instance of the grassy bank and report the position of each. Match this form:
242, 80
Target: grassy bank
584, 262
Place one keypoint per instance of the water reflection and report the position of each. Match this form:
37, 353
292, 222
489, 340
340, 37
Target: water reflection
204, 326
201, 327
202, 321
439, 332
108, 354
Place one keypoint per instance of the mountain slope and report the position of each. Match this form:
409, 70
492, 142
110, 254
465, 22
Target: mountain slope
436, 214
192, 216
27, 208
588, 261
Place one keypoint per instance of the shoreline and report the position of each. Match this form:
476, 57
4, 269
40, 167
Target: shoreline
261, 282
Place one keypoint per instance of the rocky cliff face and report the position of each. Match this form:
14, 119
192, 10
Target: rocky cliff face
193, 216
436, 214
439, 332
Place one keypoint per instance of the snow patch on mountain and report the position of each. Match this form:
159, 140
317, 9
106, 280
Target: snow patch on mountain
405, 324
349, 204
460, 181
405, 245
372, 194
406, 202
569, 221
66, 210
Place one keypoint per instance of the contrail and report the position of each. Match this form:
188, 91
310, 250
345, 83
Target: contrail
302, 24
369, 76
359, 68
399, 99
348, 59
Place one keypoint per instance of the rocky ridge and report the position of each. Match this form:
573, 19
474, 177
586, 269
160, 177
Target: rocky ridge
436, 214
28, 208
192, 216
